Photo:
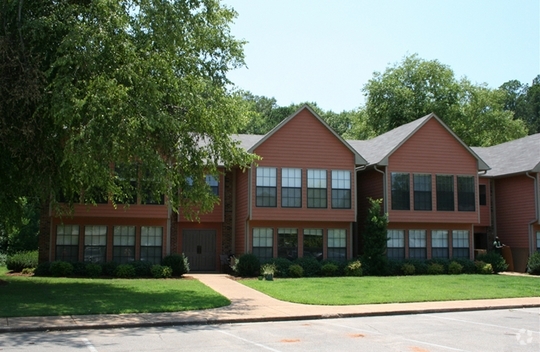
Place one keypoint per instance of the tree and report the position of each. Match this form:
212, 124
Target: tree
113, 98
415, 88
524, 101
375, 239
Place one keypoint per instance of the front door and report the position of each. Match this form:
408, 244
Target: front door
200, 249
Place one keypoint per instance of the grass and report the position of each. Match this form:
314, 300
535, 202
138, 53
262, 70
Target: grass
40, 296
372, 290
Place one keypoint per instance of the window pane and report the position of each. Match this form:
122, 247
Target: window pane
266, 187
417, 244
341, 189
465, 193
422, 192
123, 244
439, 244
337, 244
67, 243
313, 243
151, 240
396, 244
288, 243
460, 244
291, 188
400, 191
263, 243
213, 184
316, 178
445, 193
482, 194
266, 176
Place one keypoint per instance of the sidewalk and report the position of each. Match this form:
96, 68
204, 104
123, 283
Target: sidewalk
248, 305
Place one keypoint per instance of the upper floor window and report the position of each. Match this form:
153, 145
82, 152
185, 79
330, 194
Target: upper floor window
396, 244
422, 192
316, 189
482, 194
439, 244
291, 188
417, 244
266, 187
213, 184
400, 191
341, 189
445, 192
466, 199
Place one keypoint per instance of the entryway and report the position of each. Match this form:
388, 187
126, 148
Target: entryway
199, 246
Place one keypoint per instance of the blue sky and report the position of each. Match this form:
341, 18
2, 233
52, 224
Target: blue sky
325, 51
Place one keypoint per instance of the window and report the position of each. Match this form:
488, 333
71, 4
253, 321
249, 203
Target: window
67, 243
482, 194
445, 193
422, 192
151, 241
337, 245
396, 244
291, 188
465, 186
439, 244
341, 189
263, 243
460, 244
288, 243
123, 244
417, 244
213, 183
266, 187
538, 241
316, 189
313, 243
95, 243
400, 191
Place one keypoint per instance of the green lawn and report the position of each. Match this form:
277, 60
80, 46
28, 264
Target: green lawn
368, 290
40, 296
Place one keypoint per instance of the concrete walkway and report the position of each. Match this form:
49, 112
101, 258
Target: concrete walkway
248, 305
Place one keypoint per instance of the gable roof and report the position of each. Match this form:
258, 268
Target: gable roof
251, 142
378, 150
514, 157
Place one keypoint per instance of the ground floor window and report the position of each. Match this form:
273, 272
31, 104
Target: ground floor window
95, 243
337, 244
439, 244
313, 243
123, 244
396, 244
460, 244
151, 244
538, 241
263, 243
417, 244
67, 243
288, 243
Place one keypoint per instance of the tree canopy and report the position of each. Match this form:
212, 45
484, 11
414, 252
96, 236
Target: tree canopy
140, 85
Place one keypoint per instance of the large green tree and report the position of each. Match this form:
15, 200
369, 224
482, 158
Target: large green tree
138, 84
524, 101
416, 87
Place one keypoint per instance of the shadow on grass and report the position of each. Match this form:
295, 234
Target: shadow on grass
28, 296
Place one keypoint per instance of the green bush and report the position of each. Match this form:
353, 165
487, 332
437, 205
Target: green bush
60, 269
3, 258
441, 261
93, 270
178, 263
435, 269
159, 271
27, 271
394, 267
18, 261
420, 266
329, 269
125, 271
454, 268
282, 266
533, 264
495, 259
483, 267
353, 268
295, 270
311, 266
43, 269
468, 265
408, 269
109, 268
248, 265
142, 268
79, 269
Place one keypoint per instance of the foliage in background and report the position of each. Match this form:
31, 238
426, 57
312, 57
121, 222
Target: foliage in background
19, 228
533, 264
248, 265
22, 260
495, 259
178, 263
375, 239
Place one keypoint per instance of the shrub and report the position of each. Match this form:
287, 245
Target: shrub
329, 269
268, 269
353, 268
28, 271
142, 268
282, 266
533, 264
109, 268
394, 267
178, 263
59, 268
495, 259
248, 265
483, 267
375, 238
3, 258
43, 269
295, 270
79, 269
435, 269
441, 261
408, 269
93, 270
420, 266
18, 261
311, 266
125, 271
159, 271
454, 268
468, 265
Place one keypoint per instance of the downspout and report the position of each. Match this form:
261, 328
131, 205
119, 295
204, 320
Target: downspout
246, 231
532, 245
233, 220
385, 190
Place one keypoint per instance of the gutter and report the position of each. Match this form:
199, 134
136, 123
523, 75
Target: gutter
532, 245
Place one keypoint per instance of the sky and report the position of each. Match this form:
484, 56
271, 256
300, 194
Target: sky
325, 51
